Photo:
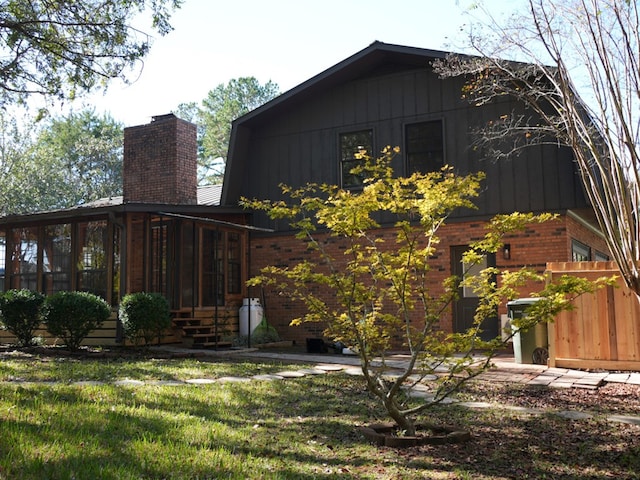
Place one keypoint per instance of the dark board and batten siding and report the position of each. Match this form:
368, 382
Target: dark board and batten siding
301, 144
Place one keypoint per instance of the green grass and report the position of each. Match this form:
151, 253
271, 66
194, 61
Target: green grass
70, 369
291, 429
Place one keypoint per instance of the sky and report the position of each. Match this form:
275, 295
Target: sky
285, 41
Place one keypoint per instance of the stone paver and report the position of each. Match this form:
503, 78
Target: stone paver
267, 377
290, 374
233, 379
312, 371
128, 382
330, 368
200, 381
166, 383
542, 380
573, 415
624, 419
617, 377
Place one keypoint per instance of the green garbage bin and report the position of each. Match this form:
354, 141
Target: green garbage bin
530, 346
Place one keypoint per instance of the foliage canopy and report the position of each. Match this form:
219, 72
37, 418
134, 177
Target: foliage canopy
62, 48
215, 115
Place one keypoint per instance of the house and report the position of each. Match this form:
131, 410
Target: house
389, 95
163, 235
198, 247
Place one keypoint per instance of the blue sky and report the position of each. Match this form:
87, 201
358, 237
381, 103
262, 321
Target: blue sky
286, 41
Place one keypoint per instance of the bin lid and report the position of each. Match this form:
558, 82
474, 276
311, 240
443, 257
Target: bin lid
523, 301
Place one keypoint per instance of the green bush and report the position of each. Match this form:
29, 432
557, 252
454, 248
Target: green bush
20, 314
144, 316
71, 316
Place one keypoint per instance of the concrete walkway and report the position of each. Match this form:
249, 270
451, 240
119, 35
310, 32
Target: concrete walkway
505, 370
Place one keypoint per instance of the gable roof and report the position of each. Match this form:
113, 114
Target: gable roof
375, 58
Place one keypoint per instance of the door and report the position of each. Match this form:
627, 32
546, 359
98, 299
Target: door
465, 308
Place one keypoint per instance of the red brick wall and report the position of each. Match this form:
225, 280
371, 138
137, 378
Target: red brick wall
160, 162
537, 245
585, 234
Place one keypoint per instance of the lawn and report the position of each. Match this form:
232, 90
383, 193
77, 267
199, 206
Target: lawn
290, 429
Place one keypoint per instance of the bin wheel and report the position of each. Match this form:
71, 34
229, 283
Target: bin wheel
540, 356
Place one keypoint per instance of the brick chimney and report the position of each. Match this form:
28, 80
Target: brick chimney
160, 162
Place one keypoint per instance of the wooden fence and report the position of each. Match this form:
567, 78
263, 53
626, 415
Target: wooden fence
603, 331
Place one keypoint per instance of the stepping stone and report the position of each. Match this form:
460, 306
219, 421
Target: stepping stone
200, 381
624, 419
330, 368
573, 415
475, 404
233, 379
515, 408
617, 377
267, 377
128, 382
561, 384
87, 383
540, 380
420, 394
290, 374
166, 383
353, 371
312, 371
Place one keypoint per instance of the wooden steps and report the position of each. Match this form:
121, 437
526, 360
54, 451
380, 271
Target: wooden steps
198, 332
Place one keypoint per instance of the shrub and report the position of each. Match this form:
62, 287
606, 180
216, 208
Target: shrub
144, 316
71, 316
20, 314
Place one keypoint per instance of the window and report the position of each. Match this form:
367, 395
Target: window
188, 262
92, 259
212, 267
351, 144
424, 147
158, 258
24, 258
56, 268
472, 270
601, 257
234, 271
580, 252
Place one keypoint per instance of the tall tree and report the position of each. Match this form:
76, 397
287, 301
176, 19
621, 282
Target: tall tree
579, 77
87, 147
25, 184
67, 161
219, 109
62, 48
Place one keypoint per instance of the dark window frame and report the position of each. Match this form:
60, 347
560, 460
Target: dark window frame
421, 155
580, 252
347, 149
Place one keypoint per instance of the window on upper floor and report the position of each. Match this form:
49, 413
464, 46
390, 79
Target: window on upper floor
424, 148
351, 144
